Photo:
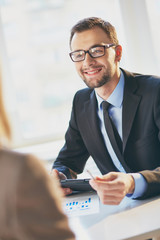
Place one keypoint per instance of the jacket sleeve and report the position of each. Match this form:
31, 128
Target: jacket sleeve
39, 205
153, 177
153, 183
73, 156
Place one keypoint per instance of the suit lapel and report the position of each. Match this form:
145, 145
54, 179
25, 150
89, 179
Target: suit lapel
130, 105
92, 120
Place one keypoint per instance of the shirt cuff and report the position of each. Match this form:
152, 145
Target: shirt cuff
140, 185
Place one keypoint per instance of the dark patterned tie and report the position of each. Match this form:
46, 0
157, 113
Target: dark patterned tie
112, 130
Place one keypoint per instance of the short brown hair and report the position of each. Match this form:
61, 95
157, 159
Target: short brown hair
91, 22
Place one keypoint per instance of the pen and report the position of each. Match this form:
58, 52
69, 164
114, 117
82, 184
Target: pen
90, 174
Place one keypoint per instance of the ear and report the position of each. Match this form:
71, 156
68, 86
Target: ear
118, 50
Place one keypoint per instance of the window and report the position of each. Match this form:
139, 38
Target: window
153, 10
39, 77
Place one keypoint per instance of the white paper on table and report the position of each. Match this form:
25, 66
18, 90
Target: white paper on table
81, 204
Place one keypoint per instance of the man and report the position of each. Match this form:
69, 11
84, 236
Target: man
132, 169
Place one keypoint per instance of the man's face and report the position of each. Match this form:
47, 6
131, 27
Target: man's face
95, 72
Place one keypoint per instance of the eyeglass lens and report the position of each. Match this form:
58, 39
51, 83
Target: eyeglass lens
93, 52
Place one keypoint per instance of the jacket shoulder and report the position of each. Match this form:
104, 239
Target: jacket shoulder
15, 159
83, 94
140, 76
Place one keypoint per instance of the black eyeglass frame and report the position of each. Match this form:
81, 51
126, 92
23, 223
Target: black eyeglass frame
88, 51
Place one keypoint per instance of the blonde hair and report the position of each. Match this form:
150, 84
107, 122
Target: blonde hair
5, 130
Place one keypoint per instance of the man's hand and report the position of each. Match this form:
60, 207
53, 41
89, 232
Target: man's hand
113, 187
61, 176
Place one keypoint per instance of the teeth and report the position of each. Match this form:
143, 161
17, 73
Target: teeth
92, 72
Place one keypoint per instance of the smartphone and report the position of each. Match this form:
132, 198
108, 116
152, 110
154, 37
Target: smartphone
77, 184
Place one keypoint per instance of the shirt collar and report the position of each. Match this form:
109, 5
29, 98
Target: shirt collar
116, 97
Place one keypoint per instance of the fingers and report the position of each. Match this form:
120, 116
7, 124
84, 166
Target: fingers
61, 176
109, 176
107, 182
108, 194
55, 173
112, 187
109, 188
66, 191
58, 174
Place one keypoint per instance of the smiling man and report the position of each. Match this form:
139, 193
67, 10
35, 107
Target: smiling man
116, 120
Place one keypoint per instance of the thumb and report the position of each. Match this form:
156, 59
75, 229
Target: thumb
107, 177
55, 173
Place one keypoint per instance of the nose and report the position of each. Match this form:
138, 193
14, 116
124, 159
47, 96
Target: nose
88, 61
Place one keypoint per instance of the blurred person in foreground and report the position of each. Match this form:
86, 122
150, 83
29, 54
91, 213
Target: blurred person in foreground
130, 166
30, 199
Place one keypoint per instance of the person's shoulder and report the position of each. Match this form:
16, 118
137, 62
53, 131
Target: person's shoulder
149, 82
83, 94
84, 91
14, 158
8, 154
144, 79
147, 77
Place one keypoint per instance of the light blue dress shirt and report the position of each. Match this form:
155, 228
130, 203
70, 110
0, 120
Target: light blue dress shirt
115, 112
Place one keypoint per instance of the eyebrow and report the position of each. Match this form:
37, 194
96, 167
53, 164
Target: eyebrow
95, 45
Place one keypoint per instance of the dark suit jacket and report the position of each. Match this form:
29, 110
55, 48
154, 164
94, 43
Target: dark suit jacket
30, 201
140, 127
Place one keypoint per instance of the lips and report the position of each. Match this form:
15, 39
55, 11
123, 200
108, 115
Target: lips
92, 71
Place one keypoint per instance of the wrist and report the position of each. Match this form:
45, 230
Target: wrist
132, 185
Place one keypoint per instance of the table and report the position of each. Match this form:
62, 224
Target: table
131, 219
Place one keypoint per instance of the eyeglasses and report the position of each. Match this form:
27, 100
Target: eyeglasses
94, 52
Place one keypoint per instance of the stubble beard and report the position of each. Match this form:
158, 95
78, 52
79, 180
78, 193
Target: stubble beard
99, 83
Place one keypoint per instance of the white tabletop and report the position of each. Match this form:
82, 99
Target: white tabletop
132, 219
